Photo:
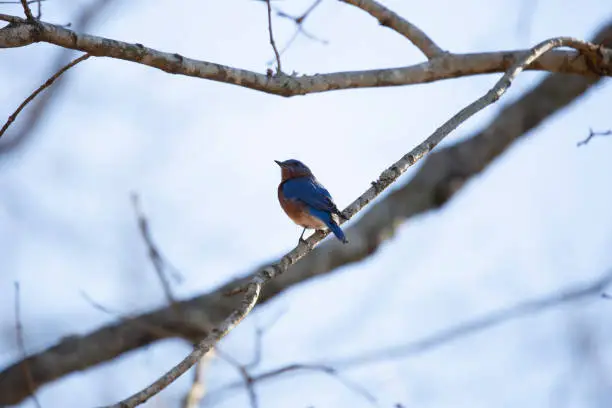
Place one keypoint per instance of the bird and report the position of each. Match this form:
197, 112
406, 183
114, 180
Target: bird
306, 201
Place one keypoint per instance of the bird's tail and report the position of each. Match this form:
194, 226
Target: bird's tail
331, 224
337, 231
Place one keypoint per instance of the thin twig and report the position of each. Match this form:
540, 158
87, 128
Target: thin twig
247, 379
253, 289
27, 11
198, 386
259, 333
272, 43
446, 336
21, 1
299, 29
321, 368
48, 83
592, 135
22, 348
395, 22
154, 254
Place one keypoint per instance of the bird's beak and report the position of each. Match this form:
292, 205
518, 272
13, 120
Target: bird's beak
279, 163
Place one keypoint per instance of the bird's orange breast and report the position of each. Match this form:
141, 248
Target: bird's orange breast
298, 213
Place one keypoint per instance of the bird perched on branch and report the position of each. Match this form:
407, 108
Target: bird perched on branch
306, 201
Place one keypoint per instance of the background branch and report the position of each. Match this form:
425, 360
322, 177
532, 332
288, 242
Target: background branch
22, 348
388, 18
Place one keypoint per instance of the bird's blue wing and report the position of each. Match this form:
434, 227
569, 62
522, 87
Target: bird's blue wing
310, 192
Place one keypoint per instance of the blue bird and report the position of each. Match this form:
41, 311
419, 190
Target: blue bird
306, 201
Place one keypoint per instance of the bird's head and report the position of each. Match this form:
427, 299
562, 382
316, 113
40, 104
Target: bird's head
293, 168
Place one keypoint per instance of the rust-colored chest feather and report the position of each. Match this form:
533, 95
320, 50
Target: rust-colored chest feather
298, 212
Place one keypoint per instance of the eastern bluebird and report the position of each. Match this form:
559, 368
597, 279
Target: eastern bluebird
306, 201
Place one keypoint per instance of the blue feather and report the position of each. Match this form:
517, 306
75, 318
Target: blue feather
329, 221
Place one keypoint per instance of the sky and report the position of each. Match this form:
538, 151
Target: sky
200, 154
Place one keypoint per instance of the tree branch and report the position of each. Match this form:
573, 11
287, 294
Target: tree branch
27, 11
444, 67
450, 334
592, 135
41, 88
22, 349
395, 22
271, 35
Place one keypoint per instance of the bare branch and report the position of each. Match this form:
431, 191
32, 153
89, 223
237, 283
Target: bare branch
443, 67
154, 254
41, 88
299, 29
454, 333
20, 34
278, 61
22, 348
592, 135
392, 20
291, 368
27, 11
527, 308
198, 388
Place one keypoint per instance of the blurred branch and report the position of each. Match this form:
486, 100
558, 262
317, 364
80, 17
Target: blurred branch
299, 26
444, 173
154, 254
592, 135
22, 349
41, 88
251, 380
26, 10
388, 18
16, 35
198, 387
599, 62
528, 308
451, 334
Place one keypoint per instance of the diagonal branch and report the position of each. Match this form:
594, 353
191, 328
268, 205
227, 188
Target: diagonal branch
435, 183
450, 334
41, 88
592, 135
395, 22
446, 66
22, 348
27, 11
252, 289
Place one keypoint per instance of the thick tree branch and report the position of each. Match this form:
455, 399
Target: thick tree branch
395, 22
444, 67
443, 173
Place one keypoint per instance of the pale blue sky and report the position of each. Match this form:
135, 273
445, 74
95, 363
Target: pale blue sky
201, 155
